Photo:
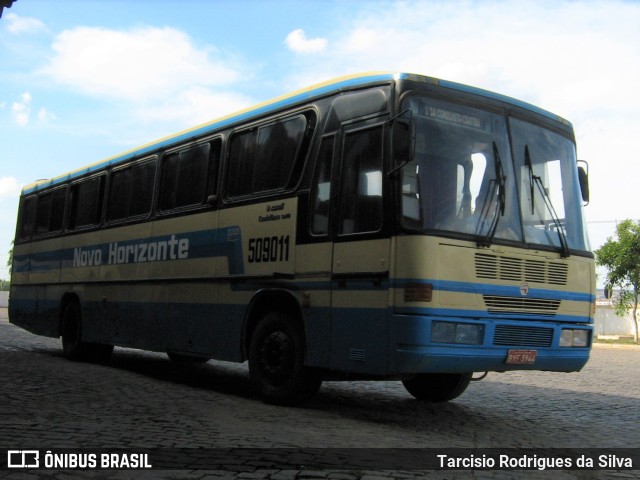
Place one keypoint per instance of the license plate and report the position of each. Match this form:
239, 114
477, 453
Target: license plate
521, 357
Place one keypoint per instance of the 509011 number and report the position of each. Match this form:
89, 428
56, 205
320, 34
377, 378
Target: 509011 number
269, 249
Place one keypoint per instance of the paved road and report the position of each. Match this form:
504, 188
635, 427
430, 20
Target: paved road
142, 400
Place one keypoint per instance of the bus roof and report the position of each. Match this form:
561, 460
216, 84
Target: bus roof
335, 85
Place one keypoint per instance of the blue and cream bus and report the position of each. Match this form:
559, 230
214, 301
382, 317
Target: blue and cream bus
378, 226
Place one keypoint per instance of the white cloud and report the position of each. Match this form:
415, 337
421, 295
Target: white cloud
17, 24
194, 106
45, 115
22, 109
138, 65
9, 187
298, 42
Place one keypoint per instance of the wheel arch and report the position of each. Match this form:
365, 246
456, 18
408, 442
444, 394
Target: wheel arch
266, 301
67, 298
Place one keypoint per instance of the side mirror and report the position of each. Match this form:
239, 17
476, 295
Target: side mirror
402, 141
583, 178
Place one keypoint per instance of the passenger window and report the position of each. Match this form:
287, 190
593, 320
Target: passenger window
241, 164
186, 177
27, 217
131, 191
361, 191
276, 153
266, 159
50, 211
322, 188
86, 203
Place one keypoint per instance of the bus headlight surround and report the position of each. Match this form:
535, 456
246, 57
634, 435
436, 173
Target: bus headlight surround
461, 333
574, 337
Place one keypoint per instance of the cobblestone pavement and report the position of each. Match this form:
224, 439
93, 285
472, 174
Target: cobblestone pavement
142, 400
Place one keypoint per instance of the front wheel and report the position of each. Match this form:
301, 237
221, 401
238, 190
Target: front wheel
437, 387
276, 362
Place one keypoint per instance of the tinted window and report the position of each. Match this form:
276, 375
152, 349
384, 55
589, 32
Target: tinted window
86, 202
131, 191
188, 177
50, 211
276, 153
265, 159
241, 163
27, 217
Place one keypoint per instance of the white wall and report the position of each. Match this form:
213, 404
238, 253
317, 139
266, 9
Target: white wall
606, 322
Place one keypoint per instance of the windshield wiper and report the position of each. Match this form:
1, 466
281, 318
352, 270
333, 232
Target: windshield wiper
529, 165
536, 180
499, 184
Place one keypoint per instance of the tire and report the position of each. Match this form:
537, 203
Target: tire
437, 387
73, 347
276, 362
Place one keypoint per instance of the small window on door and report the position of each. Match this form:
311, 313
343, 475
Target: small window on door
322, 189
361, 191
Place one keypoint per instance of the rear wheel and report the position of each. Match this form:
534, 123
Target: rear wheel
276, 362
73, 347
437, 387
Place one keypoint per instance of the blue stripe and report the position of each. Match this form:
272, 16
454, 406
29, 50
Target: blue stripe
221, 242
492, 289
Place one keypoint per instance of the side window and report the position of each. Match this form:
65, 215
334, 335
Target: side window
276, 153
266, 159
189, 176
240, 178
85, 202
27, 217
131, 191
361, 190
322, 188
50, 211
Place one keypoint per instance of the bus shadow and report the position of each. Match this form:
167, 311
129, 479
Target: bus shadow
377, 401
212, 376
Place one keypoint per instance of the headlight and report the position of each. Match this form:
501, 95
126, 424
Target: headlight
463, 333
574, 338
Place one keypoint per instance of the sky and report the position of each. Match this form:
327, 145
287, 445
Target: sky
84, 80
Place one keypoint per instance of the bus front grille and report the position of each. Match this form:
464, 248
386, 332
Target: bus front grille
521, 305
514, 335
496, 267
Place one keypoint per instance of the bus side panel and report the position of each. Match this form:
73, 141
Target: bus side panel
313, 271
35, 282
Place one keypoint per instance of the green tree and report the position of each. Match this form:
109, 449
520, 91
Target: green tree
621, 256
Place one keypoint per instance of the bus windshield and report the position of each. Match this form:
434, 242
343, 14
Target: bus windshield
463, 181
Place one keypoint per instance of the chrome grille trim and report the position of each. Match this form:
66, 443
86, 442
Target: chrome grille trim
519, 336
521, 305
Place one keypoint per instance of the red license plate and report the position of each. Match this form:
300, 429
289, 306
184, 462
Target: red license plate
521, 357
